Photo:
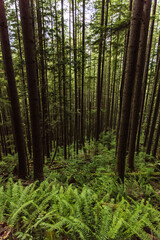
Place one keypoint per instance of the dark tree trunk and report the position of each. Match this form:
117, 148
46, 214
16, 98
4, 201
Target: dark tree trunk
128, 86
12, 91
138, 83
28, 40
43, 84
3, 128
3, 138
103, 61
152, 129
75, 73
60, 128
108, 89
83, 71
145, 75
28, 133
99, 85
64, 85
152, 100
123, 75
114, 84
70, 79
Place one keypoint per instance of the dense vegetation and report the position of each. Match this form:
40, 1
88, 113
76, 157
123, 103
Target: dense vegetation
79, 119
80, 198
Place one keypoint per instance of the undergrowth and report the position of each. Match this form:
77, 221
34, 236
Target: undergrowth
80, 199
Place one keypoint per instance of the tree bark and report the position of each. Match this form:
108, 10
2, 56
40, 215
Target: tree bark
144, 84
83, 74
138, 82
99, 85
128, 86
152, 129
64, 86
28, 133
26, 22
13, 94
114, 84
74, 15
45, 129
152, 98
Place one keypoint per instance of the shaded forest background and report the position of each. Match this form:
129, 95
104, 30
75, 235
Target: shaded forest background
72, 70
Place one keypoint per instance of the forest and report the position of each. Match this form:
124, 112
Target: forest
79, 119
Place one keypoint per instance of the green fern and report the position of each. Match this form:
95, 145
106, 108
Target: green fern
79, 214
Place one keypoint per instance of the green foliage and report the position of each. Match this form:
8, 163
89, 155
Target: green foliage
81, 198
8, 164
53, 211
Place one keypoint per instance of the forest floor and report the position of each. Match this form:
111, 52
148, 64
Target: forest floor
81, 198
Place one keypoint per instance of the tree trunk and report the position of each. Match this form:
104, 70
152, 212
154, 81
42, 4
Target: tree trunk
144, 84
114, 83
128, 85
108, 89
26, 22
12, 91
59, 69
123, 75
75, 73
64, 86
99, 85
152, 129
83, 71
45, 129
152, 99
138, 83
28, 133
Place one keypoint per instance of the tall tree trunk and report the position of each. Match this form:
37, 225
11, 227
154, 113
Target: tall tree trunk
43, 82
60, 128
13, 95
128, 86
64, 85
35, 46
70, 79
46, 101
74, 15
145, 76
28, 133
103, 57
83, 72
153, 97
26, 22
138, 83
123, 74
114, 83
99, 86
108, 89
152, 129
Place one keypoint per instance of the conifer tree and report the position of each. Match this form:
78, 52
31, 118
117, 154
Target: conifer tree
13, 94
28, 40
132, 53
